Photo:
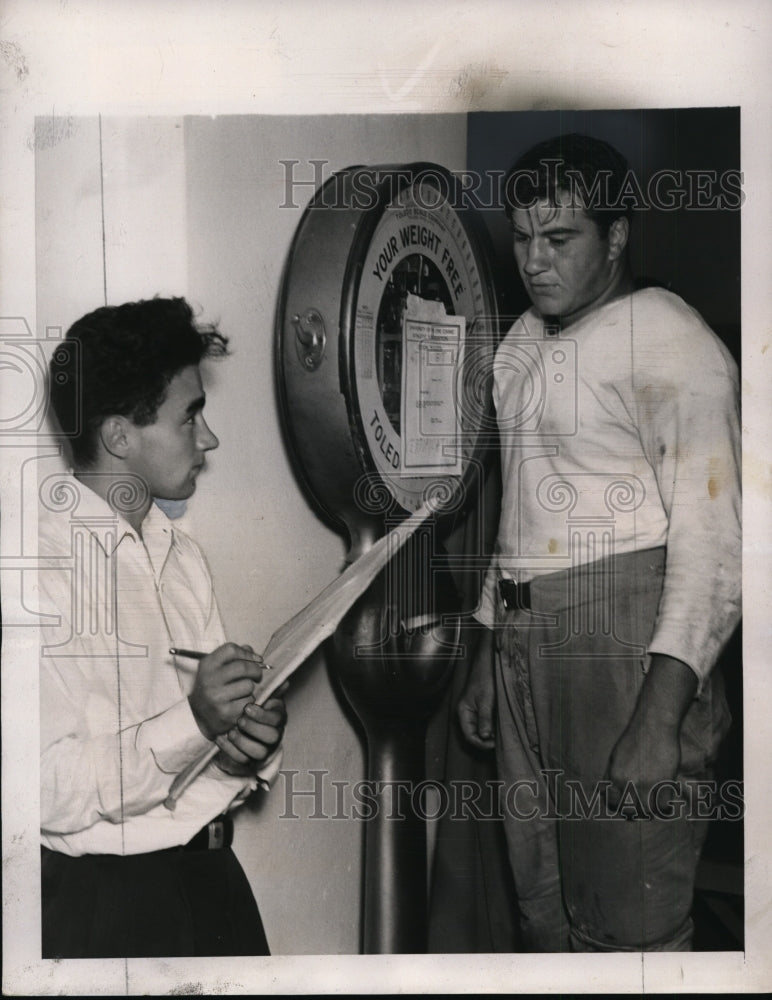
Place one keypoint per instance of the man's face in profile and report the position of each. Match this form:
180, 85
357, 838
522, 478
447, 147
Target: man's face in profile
565, 263
169, 453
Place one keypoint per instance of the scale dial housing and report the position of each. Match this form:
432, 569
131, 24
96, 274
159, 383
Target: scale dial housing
386, 329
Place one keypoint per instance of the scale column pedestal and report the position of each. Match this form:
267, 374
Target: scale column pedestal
394, 680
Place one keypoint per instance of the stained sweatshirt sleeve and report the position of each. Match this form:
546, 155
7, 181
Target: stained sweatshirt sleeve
686, 400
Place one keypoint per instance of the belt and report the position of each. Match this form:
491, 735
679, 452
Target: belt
516, 596
213, 837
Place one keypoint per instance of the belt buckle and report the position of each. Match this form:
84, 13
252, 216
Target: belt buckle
516, 596
216, 835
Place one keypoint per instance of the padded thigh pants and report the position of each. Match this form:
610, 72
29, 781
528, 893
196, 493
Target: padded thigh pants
568, 674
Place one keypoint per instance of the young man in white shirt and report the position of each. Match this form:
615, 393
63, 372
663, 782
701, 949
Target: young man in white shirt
616, 577
121, 715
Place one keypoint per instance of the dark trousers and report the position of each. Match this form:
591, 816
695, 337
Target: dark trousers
165, 903
569, 672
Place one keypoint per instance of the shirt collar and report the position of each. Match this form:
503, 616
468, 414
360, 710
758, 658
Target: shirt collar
110, 527
158, 536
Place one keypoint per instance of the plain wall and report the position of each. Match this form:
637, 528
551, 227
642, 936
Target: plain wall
129, 208
269, 551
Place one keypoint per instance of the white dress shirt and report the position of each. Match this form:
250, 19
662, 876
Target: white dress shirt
116, 725
619, 434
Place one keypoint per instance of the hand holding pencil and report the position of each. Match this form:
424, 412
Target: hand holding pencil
225, 682
222, 702
298, 638
255, 719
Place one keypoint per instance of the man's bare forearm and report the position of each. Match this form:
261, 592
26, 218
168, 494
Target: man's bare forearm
668, 690
648, 750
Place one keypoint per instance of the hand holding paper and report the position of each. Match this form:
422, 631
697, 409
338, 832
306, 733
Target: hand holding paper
224, 684
294, 642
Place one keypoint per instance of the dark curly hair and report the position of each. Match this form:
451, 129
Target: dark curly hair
571, 163
124, 360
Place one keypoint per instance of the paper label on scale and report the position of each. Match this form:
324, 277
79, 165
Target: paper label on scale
433, 348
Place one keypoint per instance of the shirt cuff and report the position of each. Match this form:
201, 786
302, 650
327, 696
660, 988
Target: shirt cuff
698, 647
264, 778
268, 773
173, 737
486, 610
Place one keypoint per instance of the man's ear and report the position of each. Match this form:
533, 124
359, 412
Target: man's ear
618, 235
114, 434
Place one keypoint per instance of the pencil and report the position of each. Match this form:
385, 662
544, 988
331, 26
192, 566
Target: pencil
195, 654
192, 654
